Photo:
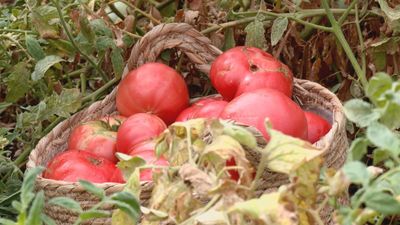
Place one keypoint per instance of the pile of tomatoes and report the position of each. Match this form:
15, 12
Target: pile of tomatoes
252, 85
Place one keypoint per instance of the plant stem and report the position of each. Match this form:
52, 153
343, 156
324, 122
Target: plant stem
346, 13
346, 47
18, 31
18, 44
300, 14
380, 220
227, 24
137, 9
306, 32
362, 44
71, 38
92, 96
292, 17
83, 83
116, 11
163, 4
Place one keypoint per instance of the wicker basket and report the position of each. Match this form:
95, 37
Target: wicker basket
200, 51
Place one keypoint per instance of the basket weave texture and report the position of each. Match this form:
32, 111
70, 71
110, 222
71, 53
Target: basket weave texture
198, 49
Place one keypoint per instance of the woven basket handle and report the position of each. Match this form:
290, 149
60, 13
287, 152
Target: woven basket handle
174, 35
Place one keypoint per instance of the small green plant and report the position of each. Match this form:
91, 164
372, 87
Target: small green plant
30, 207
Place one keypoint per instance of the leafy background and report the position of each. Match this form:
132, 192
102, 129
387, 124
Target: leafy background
57, 57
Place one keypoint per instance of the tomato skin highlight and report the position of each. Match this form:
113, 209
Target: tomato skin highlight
75, 165
243, 69
204, 108
97, 137
153, 88
317, 126
251, 108
136, 129
146, 151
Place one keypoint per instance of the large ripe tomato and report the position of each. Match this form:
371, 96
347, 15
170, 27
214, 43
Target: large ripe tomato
146, 150
153, 88
136, 129
242, 69
253, 107
98, 137
81, 165
317, 126
204, 108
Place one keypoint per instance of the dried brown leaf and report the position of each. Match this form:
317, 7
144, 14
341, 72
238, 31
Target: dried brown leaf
196, 178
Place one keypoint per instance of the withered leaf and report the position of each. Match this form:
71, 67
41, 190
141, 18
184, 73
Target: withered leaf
198, 179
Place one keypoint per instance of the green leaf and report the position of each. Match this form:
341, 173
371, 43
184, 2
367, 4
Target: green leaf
66, 103
256, 208
94, 213
356, 172
99, 192
34, 49
127, 203
28, 186
4, 106
384, 138
360, 112
229, 39
103, 43
47, 220
43, 19
18, 82
380, 155
224, 148
34, 217
129, 164
169, 10
377, 85
63, 46
241, 134
358, 149
66, 203
100, 28
382, 202
43, 65
7, 222
266, 208
117, 61
86, 29
255, 36
284, 154
392, 14
379, 58
278, 29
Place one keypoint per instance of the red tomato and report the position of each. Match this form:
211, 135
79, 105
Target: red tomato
204, 108
98, 137
136, 129
81, 165
153, 88
252, 108
242, 69
146, 150
233, 172
317, 126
